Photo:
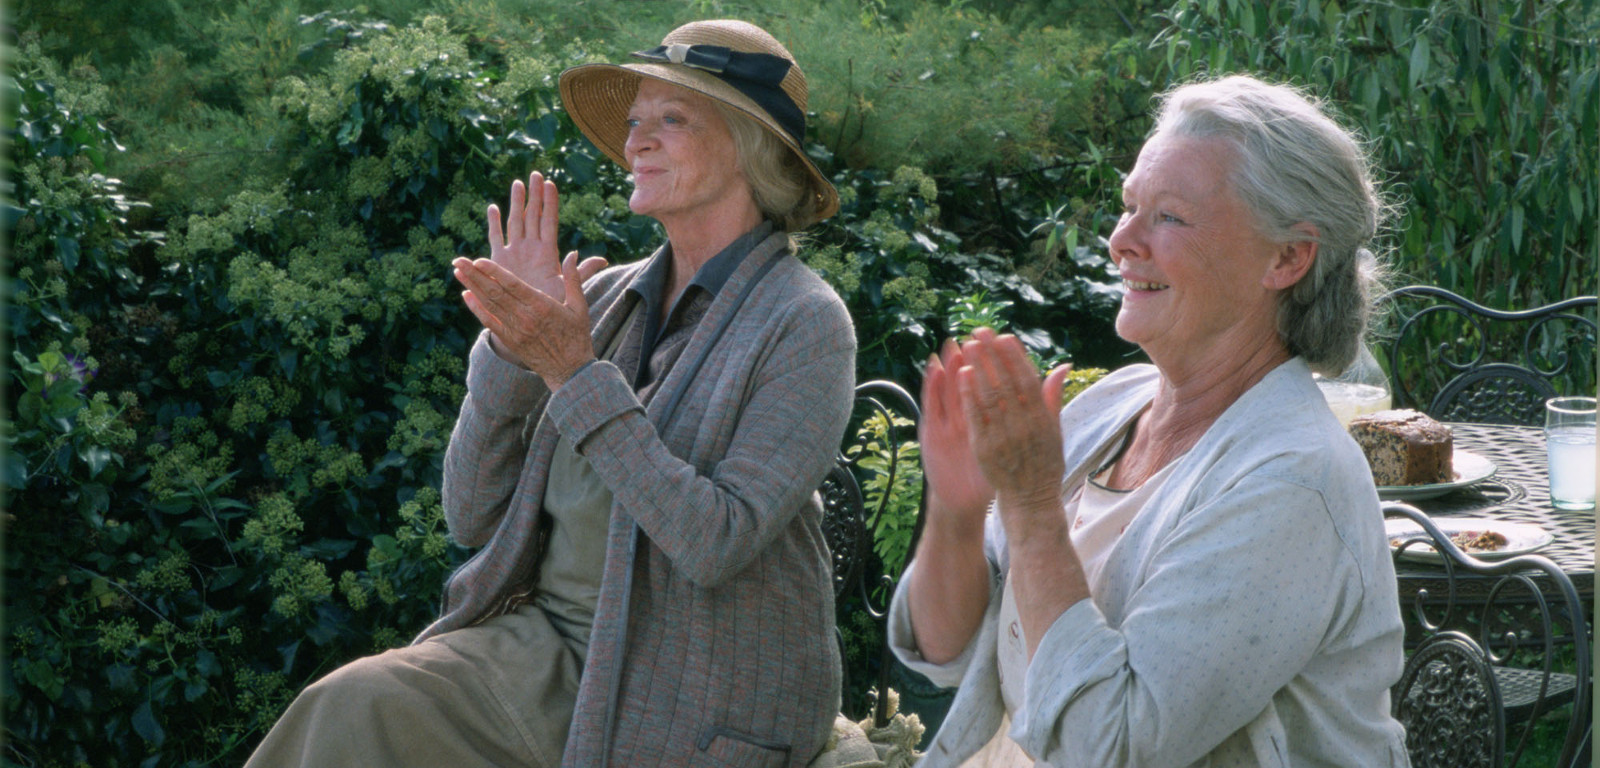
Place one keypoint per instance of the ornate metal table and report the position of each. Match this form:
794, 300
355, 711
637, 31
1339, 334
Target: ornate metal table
1518, 492
1501, 620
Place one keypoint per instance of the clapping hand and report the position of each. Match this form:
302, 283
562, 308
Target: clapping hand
989, 429
1013, 423
959, 493
530, 300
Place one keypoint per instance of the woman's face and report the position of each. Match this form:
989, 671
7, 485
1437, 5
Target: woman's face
684, 163
1194, 269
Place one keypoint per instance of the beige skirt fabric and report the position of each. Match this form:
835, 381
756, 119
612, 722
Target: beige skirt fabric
499, 693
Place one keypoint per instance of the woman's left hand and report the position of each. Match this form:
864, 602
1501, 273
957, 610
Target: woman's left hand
547, 336
1016, 436
1013, 419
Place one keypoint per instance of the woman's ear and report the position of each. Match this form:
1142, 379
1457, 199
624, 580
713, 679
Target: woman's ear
1293, 259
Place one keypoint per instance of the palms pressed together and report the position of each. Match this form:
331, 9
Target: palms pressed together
529, 298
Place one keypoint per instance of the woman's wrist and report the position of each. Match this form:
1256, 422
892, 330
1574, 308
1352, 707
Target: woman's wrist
554, 381
1033, 518
498, 347
1034, 499
946, 523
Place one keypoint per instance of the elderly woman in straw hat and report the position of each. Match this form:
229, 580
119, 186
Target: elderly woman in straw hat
636, 457
1186, 565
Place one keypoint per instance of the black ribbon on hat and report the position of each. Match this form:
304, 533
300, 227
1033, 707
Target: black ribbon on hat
756, 75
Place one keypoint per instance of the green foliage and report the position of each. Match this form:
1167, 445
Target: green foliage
880, 254
950, 87
893, 488
992, 120
910, 283
72, 225
245, 417
886, 457
1079, 380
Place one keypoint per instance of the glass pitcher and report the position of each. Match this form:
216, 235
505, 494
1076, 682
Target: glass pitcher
1361, 389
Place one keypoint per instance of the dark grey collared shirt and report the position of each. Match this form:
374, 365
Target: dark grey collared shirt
646, 337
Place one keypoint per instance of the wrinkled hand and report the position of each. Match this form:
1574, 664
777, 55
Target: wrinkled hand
959, 493
529, 248
531, 252
1014, 423
531, 302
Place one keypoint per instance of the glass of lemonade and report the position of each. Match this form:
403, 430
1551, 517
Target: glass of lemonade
1569, 438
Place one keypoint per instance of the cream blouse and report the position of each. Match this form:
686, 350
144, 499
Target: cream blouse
1099, 515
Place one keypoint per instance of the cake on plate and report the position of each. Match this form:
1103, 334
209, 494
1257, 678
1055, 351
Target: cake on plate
1405, 447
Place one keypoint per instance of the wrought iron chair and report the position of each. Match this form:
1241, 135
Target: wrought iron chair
881, 459
1494, 367
1482, 670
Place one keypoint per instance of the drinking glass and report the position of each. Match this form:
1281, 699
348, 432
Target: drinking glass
1569, 436
1360, 390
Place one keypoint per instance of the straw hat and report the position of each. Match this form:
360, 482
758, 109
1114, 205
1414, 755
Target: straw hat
733, 62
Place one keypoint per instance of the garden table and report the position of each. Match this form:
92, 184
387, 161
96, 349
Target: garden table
1518, 492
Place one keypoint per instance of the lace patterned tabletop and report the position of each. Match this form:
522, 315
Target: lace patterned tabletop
1518, 492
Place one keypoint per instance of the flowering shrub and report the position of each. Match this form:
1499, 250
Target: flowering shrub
239, 422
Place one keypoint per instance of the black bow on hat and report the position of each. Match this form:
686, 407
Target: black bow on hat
756, 75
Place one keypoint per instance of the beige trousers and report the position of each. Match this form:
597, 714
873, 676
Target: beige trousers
500, 693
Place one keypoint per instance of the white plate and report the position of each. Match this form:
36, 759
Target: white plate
1521, 538
1470, 468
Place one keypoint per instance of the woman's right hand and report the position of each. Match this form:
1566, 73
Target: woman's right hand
959, 493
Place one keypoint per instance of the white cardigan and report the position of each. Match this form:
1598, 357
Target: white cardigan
1247, 617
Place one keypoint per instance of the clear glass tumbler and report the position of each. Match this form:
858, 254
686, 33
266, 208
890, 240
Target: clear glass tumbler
1569, 437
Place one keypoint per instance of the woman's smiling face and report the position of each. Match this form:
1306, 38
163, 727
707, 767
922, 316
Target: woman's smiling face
682, 155
1192, 261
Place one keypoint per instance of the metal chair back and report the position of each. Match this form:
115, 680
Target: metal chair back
882, 462
1450, 704
1457, 360
1498, 645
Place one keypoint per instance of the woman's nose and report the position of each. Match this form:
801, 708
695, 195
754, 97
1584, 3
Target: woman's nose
1124, 240
640, 138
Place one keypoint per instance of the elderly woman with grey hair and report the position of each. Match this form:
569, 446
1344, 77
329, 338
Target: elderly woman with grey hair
1191, 568
636, 459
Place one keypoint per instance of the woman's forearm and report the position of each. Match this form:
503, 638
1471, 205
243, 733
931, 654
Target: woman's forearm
488, 445
712, 523
948, 591
1046, 574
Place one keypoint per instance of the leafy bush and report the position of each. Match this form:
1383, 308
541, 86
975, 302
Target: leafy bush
894, 485
950, 87
244, 425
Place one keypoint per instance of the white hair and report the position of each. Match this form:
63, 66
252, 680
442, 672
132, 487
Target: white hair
1296, 165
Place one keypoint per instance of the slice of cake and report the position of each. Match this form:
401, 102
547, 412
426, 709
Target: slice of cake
1405, 447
